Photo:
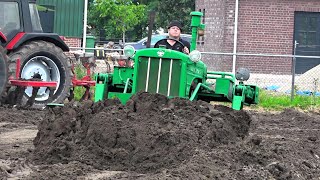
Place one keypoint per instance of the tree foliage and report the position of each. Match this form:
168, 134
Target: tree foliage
131, 16
115, 16
168, 10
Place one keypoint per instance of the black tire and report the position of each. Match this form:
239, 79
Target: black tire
51, 61
3, 71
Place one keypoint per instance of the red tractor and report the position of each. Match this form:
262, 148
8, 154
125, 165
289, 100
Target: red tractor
29, 58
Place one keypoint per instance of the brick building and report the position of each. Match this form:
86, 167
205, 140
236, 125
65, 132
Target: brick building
268, 27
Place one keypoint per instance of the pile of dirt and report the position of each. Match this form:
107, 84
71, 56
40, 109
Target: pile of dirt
149, 134
153, 137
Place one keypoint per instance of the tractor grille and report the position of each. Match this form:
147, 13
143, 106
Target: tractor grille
159, 75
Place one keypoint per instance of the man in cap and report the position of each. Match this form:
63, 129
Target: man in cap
172, 42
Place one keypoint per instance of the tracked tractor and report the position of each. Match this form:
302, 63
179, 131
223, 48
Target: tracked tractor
33, 61
175, 74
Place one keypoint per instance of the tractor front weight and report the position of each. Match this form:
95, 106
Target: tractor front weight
221, 86
244, 94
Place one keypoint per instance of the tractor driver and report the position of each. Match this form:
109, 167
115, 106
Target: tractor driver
174, 31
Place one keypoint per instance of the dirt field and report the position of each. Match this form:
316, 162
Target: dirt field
153, 137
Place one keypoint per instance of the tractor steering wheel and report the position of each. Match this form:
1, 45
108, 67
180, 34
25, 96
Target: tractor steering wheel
180, 48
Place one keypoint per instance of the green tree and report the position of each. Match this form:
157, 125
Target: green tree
94, 20
168, 10
116, 16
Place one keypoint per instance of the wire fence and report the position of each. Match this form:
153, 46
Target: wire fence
272, 72
276, 73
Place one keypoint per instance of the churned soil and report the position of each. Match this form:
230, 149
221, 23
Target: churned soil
153, 137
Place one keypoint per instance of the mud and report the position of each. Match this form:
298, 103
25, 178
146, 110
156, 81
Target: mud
153, 137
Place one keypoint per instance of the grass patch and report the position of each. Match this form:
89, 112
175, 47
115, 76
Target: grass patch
275, 101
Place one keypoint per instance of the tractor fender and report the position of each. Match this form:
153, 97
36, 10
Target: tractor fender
23, 38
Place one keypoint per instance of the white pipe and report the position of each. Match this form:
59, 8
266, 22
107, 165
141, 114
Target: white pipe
148, 74
235, 37
84, 36
170, 74
159, 74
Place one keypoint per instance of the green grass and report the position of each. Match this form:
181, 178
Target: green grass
275, 101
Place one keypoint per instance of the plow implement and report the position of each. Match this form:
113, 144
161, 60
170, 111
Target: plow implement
15, 97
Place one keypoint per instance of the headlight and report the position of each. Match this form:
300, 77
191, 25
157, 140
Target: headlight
129, 51
195, 56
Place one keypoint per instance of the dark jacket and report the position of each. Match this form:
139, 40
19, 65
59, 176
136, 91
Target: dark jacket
176, 46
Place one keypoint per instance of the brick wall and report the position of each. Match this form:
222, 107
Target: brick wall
264, 27
214, 18
72, 42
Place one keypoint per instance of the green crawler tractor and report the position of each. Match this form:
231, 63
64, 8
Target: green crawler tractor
175, 74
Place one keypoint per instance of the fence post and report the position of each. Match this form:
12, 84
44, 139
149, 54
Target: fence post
293, 66
315, 88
